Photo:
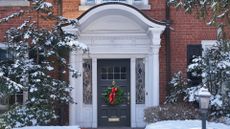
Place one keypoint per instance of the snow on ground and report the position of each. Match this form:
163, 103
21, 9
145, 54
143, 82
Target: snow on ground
185, 124
50, 127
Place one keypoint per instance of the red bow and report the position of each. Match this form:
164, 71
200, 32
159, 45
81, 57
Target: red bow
112, 95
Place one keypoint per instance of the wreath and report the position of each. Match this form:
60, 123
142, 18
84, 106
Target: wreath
113, 95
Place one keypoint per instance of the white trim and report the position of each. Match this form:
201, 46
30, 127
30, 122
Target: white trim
133, 91
142, 5
14, 3
207, 44
3, 46
139, 40
121, 8
94, 88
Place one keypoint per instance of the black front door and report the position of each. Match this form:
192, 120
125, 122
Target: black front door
117, 70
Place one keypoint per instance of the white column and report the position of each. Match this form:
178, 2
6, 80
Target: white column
94, 92
156, 74
148, 81
133, 92
154, 65
72, 107
79, 89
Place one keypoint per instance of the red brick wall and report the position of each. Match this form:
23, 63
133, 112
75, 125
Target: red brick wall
187, 29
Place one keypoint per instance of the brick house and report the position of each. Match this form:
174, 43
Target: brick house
131, 43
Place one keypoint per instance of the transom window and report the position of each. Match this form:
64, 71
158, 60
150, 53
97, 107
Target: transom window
140, 4
114, 73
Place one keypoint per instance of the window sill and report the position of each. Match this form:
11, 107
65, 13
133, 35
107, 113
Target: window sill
14, 3
139, 6
3, 107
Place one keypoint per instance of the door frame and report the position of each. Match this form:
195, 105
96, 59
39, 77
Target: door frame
126, 60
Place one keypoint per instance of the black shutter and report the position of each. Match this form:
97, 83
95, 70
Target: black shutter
3, 54
193, 50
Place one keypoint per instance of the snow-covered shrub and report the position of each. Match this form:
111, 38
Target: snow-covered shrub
178, 85
34, 55
175, 111
214, 69
23, 115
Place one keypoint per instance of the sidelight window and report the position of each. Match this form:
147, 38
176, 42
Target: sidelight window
140, 81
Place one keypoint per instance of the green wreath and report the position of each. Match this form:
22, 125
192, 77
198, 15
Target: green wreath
113, 95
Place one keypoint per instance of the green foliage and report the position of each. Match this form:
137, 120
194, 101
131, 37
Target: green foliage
176, 111
119, 95
214, 69
178, 85
34, 53
218, 11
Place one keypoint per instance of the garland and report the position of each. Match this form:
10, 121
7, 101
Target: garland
113, 95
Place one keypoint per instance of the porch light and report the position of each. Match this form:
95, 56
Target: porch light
204, 96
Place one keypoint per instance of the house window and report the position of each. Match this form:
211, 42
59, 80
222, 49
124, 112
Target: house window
140, 81
6, 100
14, 3
113, 73
140, 4
192, 52
87, 81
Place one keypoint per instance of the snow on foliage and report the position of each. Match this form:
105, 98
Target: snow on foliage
46, 5
214, 69
34, 54
219, 9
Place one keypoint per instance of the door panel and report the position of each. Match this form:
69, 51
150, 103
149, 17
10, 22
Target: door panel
117, 70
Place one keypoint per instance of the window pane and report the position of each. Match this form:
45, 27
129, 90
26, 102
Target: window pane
140, 81
3, 54
87, 81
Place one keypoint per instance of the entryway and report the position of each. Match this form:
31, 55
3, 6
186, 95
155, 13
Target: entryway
116, 71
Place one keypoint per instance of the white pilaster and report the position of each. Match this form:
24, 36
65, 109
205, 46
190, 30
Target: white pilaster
79, 90
154, 66
133, 91
94, 92
148, 81
72, 107
155, 71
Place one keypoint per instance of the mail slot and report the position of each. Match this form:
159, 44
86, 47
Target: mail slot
113, 119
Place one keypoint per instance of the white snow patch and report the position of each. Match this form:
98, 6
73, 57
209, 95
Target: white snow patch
1, 74
204, 92
50, 68
46, 5
50, 127
217, 100
185, 124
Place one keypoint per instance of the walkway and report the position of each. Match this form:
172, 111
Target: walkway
114, 128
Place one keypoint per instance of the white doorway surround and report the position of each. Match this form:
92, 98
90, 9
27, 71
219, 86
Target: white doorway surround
116, 31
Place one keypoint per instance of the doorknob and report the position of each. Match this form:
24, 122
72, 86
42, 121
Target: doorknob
128, 98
